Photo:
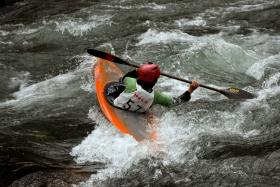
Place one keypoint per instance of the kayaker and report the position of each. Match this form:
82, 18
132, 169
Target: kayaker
135, 90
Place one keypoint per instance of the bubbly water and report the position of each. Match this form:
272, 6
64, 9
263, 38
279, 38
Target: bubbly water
50, 114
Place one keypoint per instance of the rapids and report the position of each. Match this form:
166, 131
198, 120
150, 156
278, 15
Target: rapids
52, 129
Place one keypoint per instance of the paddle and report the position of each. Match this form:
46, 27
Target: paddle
231, 93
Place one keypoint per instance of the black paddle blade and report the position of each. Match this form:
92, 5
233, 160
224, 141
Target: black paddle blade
103, 55
236, 93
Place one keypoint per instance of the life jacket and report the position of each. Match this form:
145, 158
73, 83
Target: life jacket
137, 101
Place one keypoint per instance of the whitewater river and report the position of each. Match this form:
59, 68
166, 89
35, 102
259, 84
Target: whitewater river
52, 132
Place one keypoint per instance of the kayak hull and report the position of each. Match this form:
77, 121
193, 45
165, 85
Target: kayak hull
135, 124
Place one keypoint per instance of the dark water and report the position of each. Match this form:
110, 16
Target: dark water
53, 133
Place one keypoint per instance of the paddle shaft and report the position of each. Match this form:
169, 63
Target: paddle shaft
179, 79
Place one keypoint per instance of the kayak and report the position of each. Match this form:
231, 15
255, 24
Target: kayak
139, 125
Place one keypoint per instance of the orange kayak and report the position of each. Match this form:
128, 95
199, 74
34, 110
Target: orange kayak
140, 126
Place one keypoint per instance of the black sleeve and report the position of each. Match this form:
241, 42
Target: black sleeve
132, 74
185, 97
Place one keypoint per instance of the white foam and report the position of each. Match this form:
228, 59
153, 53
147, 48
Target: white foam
212, 51
79, 26
198, 21
270, 88
246, 6
19, 30
153, 36
235, 7
107, 145
178, 132
257, 69
252, 133
273, 81
26, 31
20, 81
7, 43
153, 6
63, 85
87, 81
3, 33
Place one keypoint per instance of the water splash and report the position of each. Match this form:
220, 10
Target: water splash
107, 145
60, 86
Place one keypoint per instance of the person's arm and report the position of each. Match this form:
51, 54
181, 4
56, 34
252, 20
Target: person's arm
169, 101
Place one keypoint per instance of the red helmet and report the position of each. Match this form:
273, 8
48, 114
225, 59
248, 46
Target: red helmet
148, 72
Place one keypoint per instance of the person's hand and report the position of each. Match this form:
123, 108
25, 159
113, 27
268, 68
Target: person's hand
193, 86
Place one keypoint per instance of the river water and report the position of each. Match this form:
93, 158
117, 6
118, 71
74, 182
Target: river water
53, 132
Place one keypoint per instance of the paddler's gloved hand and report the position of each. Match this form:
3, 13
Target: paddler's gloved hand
185, 97
193, 86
